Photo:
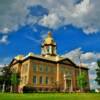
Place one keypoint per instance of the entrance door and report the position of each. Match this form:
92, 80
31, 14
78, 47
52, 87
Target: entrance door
69, 85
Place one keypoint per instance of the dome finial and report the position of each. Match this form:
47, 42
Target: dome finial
49, 34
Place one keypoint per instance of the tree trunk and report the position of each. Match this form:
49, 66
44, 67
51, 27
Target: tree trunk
3, 87
11, 88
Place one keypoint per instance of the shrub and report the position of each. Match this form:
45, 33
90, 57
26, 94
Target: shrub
28, 89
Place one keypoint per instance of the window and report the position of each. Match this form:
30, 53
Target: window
34, 79
34, 68
47, 80
50, 49
47, 69
41, 79
41, 68
47, 48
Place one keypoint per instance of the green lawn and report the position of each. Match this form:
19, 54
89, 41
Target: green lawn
50, 96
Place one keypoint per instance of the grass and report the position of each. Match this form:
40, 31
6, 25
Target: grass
50, 96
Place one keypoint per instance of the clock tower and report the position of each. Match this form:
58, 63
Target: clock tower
48, 47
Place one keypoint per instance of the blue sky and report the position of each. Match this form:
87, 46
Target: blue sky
28, 39
75, 26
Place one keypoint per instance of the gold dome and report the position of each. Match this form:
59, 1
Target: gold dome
49, 39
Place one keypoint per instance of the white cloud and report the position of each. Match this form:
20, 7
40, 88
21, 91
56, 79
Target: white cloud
85, 14
51, 21
82, 8
4, 39
89, 56
12, 14
5, 30
1, 65
90, 30
98, 55
74, 55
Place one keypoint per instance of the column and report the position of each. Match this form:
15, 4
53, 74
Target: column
65, 84
57, 78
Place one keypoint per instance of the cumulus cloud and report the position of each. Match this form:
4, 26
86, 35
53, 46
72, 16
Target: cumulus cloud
4, 39
82, 8
92, 75
1, 65
5, 30
84, 14
51, 21
74, 55
89, 56
98, 55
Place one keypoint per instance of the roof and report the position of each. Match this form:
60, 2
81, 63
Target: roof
54, 59
49, 58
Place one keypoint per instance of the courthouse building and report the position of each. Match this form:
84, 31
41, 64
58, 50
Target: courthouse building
47, 71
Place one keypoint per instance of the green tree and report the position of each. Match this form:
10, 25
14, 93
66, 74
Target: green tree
98, 72
15, 79
81, 81
5, 78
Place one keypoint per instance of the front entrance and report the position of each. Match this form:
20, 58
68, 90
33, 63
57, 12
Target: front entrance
68, 85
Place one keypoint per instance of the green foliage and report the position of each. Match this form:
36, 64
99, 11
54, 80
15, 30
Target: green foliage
98, 72
29, 89
81, 80
5, 76
98, 62
14, 78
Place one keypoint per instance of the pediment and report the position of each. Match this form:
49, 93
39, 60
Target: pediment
67, 62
